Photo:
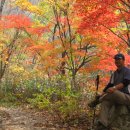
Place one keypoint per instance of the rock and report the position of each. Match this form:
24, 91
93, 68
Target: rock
121, 119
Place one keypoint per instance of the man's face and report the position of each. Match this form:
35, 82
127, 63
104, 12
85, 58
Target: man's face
119, 62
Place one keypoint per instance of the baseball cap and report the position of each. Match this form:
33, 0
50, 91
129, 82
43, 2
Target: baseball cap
119, 56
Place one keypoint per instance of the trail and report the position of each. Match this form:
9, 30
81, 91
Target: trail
23, 118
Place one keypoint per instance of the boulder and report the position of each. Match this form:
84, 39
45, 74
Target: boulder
121, 118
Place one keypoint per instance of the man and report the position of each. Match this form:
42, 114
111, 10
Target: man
116, 93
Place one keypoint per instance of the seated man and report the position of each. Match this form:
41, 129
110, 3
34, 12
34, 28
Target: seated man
116, 93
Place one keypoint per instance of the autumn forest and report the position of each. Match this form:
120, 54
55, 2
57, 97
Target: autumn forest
51, 52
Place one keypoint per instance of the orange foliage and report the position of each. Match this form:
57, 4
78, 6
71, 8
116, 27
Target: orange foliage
15, 21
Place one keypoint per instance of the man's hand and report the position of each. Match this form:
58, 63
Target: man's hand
110, 90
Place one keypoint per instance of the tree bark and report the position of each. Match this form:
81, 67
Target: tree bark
1, 7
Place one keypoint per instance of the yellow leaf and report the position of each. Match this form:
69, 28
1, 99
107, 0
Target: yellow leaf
26, 5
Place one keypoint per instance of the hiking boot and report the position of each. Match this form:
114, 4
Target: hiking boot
101, 127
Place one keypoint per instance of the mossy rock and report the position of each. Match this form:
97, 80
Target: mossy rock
121, 120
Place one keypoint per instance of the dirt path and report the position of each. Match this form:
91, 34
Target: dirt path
23, 119
28, 119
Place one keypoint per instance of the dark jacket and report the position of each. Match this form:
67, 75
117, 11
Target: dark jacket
120, 76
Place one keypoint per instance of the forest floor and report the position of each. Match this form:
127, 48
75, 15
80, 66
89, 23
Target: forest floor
23, 118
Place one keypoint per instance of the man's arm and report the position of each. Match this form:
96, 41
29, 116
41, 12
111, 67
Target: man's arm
124, 83
119, 86
109, 85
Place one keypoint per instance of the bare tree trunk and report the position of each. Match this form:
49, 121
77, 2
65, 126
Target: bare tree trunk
74, 85
1, 7
3, 65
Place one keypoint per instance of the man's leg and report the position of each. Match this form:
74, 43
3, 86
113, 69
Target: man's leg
116, 97
104, 112
107, 101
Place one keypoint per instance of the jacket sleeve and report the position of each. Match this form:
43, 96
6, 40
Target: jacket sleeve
127, 74
126, 80
108, 86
